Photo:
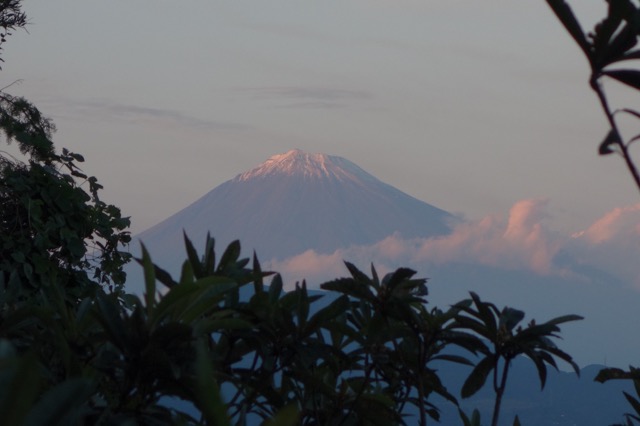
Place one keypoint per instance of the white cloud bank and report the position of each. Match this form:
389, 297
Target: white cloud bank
520, 240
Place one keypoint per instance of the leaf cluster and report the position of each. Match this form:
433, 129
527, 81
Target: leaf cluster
51, 227
611, 49
501, 339
244, 352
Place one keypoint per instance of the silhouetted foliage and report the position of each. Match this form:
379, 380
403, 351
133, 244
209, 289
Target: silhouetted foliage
611, 49
506, 341
76, 349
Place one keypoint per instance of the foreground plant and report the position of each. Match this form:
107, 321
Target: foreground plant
610, 49
503, 340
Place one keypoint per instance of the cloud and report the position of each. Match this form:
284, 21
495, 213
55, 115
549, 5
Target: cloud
306, 97
104, 109
522, 240
612, 244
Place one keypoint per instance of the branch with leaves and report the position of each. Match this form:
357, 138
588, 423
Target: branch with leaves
611, 44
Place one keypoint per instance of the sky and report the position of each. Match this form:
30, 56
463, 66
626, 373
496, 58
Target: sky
469, 106
481, 108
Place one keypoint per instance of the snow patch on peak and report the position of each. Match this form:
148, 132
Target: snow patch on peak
299, 163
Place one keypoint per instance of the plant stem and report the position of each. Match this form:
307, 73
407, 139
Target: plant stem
624, 149
500, 392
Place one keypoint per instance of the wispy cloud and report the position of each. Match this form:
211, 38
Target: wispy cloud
306, 97
108, 110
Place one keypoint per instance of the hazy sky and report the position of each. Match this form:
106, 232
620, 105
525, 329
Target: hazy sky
481, 108
467, 105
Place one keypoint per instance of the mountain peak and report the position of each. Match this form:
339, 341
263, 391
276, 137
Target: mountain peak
298, 201
300, 163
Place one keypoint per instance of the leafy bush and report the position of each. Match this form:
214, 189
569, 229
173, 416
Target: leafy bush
75, 348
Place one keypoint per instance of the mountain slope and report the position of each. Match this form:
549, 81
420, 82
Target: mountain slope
295, 202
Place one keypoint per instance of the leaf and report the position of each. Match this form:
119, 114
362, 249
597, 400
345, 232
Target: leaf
634, 54
287, 416
486, 312
628, 77
303, 304
607, 374
21, 390
541, 367
478, 376
187, 302
258, 284
398, 276
633, 402
62, 405
571, 24
164, 277
109, 317
606, 49
230, 256
350, 287
207, 393
192, 255
331, 311
516, 421
605, 145
510, 317
564, 318
209, 255
208, 326
149, 280
453, 358
275, 289
356, 273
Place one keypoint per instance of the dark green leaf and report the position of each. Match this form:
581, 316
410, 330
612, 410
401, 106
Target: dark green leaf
564, 318
62, 405
287, 416
633, 402
21, 390
230, 256
607, 374
149, 280
208, 397
356, 273
510, 317
478, 376
258, 284
209, 255
192, 255
164, 277
275, 289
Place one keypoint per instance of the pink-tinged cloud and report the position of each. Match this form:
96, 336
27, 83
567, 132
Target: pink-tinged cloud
520, 241
612, 244
619, 223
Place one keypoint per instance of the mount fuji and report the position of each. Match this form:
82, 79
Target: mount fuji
298, 202
295, 202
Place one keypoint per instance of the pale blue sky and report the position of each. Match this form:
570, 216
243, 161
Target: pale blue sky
467, 105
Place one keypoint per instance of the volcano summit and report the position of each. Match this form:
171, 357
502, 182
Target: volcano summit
294, 202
